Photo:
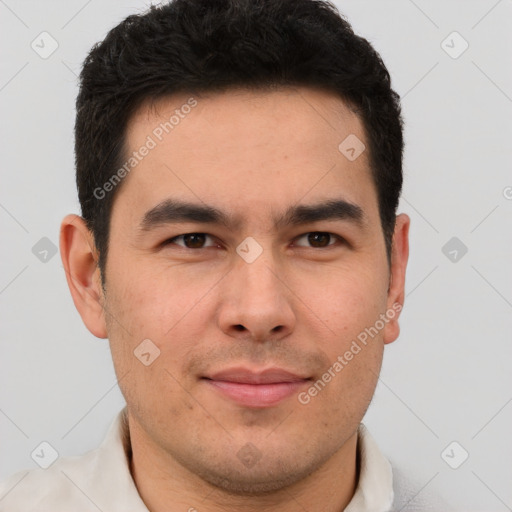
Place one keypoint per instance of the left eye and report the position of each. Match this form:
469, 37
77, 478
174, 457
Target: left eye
320, 239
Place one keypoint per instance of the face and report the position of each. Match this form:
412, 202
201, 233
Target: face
255, 373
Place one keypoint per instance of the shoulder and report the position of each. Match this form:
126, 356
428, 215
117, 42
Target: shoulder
395, 489
414, 496
50, 489
98, 480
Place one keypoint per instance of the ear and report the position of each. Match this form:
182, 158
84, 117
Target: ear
80, 260
396, 292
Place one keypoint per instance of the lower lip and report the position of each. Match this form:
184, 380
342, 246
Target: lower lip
257, 395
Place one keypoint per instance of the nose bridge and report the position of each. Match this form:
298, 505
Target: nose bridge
257, 270
255, 296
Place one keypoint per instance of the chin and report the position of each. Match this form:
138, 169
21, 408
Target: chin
265, 476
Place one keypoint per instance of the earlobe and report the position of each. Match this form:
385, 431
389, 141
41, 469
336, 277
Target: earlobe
396, 291
79, 258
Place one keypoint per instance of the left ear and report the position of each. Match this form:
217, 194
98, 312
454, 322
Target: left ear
396, 292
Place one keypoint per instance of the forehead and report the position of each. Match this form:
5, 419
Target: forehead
241, 149
303, 113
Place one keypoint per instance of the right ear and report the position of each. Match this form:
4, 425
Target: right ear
80, 260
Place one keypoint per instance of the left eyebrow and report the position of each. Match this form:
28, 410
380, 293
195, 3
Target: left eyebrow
333, 209
174, 210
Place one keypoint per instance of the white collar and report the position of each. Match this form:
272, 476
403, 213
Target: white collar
374, 491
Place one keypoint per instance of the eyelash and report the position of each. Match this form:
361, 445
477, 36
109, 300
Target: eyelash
332, 235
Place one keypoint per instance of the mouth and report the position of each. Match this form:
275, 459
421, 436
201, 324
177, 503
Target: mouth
256, 389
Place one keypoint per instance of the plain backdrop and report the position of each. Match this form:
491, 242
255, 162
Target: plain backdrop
447, 378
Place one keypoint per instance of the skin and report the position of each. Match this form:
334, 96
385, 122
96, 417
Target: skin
297, 306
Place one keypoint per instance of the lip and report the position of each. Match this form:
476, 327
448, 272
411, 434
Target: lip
257, 389
267, 376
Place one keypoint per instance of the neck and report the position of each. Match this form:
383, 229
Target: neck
166, 486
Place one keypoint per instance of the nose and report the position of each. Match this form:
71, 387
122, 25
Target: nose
256, 302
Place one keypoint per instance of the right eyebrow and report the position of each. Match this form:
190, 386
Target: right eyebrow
173, 210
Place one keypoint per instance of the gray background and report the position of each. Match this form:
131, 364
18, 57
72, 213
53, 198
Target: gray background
448, 376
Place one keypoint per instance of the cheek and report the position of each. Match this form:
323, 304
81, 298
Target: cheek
164, 304
151, 299
350, 304
348, 300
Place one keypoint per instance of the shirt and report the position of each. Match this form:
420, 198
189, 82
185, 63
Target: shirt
101, 480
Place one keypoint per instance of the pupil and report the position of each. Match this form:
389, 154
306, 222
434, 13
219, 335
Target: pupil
314, 238
194, 241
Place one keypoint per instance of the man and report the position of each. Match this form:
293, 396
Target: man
239, 166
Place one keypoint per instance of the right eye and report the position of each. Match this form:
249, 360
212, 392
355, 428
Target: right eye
189, 241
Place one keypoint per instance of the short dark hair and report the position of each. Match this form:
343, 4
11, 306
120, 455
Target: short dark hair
199, 46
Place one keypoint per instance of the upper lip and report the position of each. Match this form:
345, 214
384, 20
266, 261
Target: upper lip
246, 376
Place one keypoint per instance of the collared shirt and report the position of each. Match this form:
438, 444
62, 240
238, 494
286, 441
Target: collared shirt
101, 480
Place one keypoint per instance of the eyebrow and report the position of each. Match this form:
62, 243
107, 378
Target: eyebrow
174, 211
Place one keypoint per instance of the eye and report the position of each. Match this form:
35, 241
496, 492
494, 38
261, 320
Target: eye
315, 239
320, 239
190, 241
